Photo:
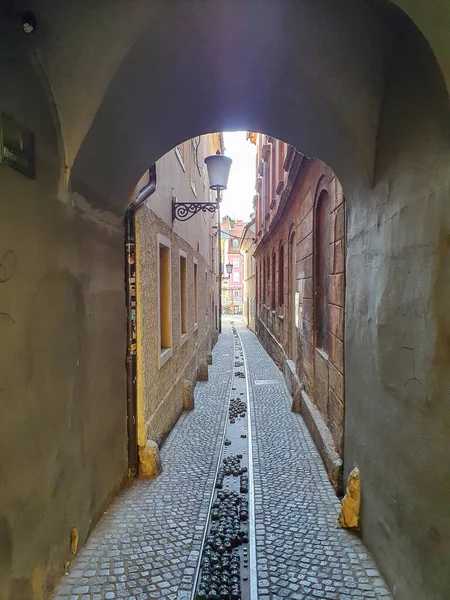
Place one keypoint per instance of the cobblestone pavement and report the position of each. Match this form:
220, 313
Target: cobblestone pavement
147, 544
300, 552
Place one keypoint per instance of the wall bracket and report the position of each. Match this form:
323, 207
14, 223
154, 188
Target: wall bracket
183, 211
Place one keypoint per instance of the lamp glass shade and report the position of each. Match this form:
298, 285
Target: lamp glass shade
229, 268
218, 167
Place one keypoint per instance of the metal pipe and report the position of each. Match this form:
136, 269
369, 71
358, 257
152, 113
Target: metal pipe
131, 304
220, 262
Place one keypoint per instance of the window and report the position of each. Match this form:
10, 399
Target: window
272, 304
235, 243
164, 300
236, 277
183, 293
281, 276
321, 271
266, 291
206, 289
195, 295
235, 293
235, 262
179, 151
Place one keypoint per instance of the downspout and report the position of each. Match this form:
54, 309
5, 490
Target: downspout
220, 267
130, 292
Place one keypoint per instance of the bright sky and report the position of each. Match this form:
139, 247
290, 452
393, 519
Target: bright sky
238, 197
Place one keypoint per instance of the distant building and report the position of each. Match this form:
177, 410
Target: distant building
232, 287
247, 248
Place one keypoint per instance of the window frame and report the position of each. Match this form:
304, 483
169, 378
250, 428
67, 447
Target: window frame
166, 352
321, 270
184, 332
281, 275
195, 292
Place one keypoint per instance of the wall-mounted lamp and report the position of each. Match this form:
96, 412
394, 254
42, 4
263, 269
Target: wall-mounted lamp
218, 167
229, 268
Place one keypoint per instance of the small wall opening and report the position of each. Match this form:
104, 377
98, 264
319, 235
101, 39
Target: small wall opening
281, 276
183, 295
322, 271
195, 293
164, 300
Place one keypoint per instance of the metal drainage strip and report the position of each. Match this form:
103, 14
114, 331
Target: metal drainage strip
224, 571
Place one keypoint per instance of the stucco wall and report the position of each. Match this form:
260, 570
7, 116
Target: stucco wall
62, 372
160, 401
398, 331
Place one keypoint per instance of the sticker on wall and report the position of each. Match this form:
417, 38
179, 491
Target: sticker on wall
17, 146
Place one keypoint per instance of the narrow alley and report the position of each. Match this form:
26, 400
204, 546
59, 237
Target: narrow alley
148, 543
224, 292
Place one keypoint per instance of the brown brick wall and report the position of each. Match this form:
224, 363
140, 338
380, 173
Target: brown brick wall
321, 371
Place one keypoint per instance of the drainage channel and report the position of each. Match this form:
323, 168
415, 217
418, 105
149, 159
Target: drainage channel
227, 565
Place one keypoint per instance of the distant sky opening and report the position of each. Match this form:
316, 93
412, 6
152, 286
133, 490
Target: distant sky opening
238, 197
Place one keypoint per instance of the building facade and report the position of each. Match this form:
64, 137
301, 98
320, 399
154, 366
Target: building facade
300, 256
233, 286
247, 248
177, 288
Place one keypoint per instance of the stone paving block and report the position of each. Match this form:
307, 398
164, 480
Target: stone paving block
294, 494
148, 542
156, 526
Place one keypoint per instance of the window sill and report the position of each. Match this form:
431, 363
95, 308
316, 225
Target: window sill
164, 356
281, 317
183, 339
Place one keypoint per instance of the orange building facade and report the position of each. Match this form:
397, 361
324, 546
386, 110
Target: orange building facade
300, 257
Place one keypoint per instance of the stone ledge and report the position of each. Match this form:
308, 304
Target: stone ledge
302, 404
322, 438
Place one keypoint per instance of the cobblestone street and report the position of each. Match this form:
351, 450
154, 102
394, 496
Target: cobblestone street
148, 543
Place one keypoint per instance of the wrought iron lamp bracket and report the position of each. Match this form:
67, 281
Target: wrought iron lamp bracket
183, 211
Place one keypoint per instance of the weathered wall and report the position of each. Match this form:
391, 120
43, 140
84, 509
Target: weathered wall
320, 371
160, 401
398, 330
62, 374
160, 389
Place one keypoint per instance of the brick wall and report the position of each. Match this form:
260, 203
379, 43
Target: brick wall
319, 369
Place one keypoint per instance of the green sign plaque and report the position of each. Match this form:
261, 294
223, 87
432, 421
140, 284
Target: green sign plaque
16, 146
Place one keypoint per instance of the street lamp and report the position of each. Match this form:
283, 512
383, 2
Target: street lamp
218, 167
229, 268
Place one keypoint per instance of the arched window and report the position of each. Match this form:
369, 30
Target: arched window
322, 248
273, 280
281, 275
263, 297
